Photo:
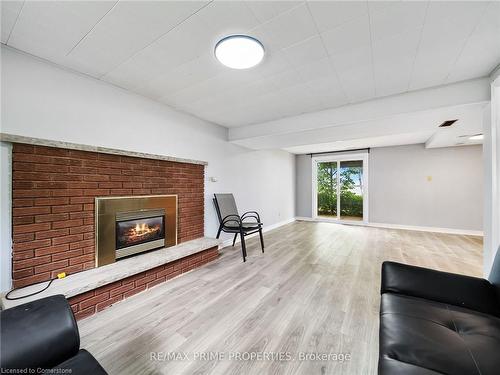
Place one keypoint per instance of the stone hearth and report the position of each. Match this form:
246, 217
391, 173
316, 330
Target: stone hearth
93, 290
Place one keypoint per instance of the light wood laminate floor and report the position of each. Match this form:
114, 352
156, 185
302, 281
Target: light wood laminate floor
315, 290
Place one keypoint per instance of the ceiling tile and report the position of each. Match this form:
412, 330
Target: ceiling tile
285, 80
222, 18
358, 83
393, 59
185, 43
433, 64
397, 19
490, 20
51, 29
266, 10
201, 89
293, 96
143, 67
10, 12
392, 78
442, 34
290, 27
254, 89
445, 24
308, 51
125, 30
481, 52
328, 92
376, 6
479, 57
401, 45
319, 69
330, 14
274, 62
353, 58
185, 75
458, 10
349, 36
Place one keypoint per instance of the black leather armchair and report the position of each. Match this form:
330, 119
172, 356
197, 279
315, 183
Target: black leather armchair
43, 334
434, 322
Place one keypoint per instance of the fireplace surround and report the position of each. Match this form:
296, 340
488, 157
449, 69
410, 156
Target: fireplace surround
133, 224
53, 203
54, 191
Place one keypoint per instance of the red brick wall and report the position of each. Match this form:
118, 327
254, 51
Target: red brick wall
93, 301
53, 193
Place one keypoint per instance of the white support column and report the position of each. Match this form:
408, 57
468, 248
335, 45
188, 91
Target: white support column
5, 216
491, 149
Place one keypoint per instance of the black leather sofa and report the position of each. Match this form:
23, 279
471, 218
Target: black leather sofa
434, 322
42, 335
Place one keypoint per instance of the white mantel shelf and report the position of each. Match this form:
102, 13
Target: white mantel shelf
13, 138
84, 281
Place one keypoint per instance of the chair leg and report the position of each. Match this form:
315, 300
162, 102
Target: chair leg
261, 240
218, 232
234, 239
243, 246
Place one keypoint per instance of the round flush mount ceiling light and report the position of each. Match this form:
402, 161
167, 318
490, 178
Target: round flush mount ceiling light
477, 137
239, 51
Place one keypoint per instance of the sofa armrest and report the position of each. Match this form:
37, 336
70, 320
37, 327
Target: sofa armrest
38, 334
454, 289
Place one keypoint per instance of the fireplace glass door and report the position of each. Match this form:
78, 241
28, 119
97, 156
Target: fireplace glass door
139, 231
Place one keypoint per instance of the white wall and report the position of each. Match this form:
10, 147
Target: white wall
303, 186
44, 101
492, 176
400, 194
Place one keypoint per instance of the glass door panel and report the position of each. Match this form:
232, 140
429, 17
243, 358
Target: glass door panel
327, 190
351, 190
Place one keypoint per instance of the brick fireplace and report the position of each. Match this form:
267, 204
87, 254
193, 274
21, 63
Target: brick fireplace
53, 193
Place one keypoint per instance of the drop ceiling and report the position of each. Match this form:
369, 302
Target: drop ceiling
318, 54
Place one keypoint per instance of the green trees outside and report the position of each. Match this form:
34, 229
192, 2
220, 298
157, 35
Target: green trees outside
351, 202
327, 189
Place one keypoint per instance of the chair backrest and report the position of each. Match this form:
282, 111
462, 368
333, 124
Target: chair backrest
225, 205
38, 334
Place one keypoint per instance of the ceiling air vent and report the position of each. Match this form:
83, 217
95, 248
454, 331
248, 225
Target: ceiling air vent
447, 123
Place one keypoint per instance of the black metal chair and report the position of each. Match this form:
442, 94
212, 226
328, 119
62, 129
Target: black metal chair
231, 222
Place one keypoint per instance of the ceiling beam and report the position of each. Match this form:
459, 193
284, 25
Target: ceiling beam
358, 115
405, 126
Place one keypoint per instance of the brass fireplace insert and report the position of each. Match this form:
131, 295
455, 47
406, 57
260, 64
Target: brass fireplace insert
132, 225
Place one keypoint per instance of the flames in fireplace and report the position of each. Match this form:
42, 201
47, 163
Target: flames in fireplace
137, 231
141, 232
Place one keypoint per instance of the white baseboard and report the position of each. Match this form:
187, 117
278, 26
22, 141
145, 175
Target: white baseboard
332, 221
304, 218
265, 229
428, 229
404, 227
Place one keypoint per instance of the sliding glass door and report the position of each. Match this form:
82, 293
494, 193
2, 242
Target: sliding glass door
339, 188
351, 190
327, 182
